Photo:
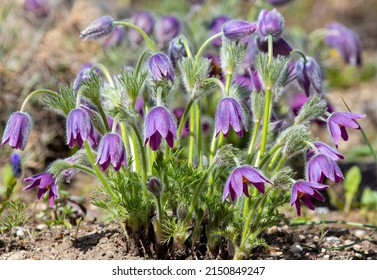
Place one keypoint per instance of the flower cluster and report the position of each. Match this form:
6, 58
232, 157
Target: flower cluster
151, 156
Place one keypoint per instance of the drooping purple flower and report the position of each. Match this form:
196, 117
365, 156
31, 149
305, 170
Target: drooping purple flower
159, 123
115, 38
321, 166
338, 122
46, 183
17, 130
15, 161
238, 29
303, 191
216, 26
323, 148
99, 28
177, 50
238, 180
79, 128
143, 20
166, 29
82, 76
229, 113
270, 23
309, 75
346, 42
279, 47
160, 67
40, 8
111, 151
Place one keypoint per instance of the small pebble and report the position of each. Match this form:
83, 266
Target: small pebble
358, 256
333, 239
360, 233
316, 239
323, 250
296, 248
110, 254
20, 232
357, 247
322, 210
326, 257
298, 238
347, 242
272, 230
41, 227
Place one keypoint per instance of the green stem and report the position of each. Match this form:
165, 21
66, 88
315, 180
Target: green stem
106, 72
228, 80
192, 136
141, 32
30, 95
199, 134
267, 157
103, 116
270, 48
205, 44
219, 83
124, 137
274, 159
266, 120
140, 60
83, 168
96, 168
186, 45
184, 117
253, 139
142, 150
280, 164
299, 52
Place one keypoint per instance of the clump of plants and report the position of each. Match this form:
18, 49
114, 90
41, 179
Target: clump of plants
188, 150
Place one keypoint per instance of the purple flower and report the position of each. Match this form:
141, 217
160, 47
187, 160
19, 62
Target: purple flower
82, 76
139, 106
338, 122
40, 8
159, 123
305, 191
115, 38
256, 80
244, 81
46, 183
143, 20
238, 29
326, 150
17, 130
345, 41
279, 47
166, 29
270, 23
79, 128
15, 161
297, 102
229, 113
111, 151
309, 75
238, 180
321, 166
98, 28
177, 50
216, 27
160, 67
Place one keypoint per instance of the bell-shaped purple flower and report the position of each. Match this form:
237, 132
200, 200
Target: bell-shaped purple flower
321, 166
15, 161
278, 2
238, 29
79, 128
338, 122
160, 67
166, 29
229, 113
40, 8
99, 28
216, 26
111, 151
345, 41
279, 47
270, 23
303, 191
309, 75
323, 148
17, 130
159, 123
46, 183
238, 180
143, 20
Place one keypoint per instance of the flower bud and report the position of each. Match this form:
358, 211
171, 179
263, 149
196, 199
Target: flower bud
40, 8
177, 50
270, 23
143, 20
15, 161
309, 74
98, 28
160, 67
238, 29
154, 186
17, 130
166, 29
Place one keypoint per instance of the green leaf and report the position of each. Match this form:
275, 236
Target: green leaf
351, 185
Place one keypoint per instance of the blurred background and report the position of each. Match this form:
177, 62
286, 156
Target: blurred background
40, 48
